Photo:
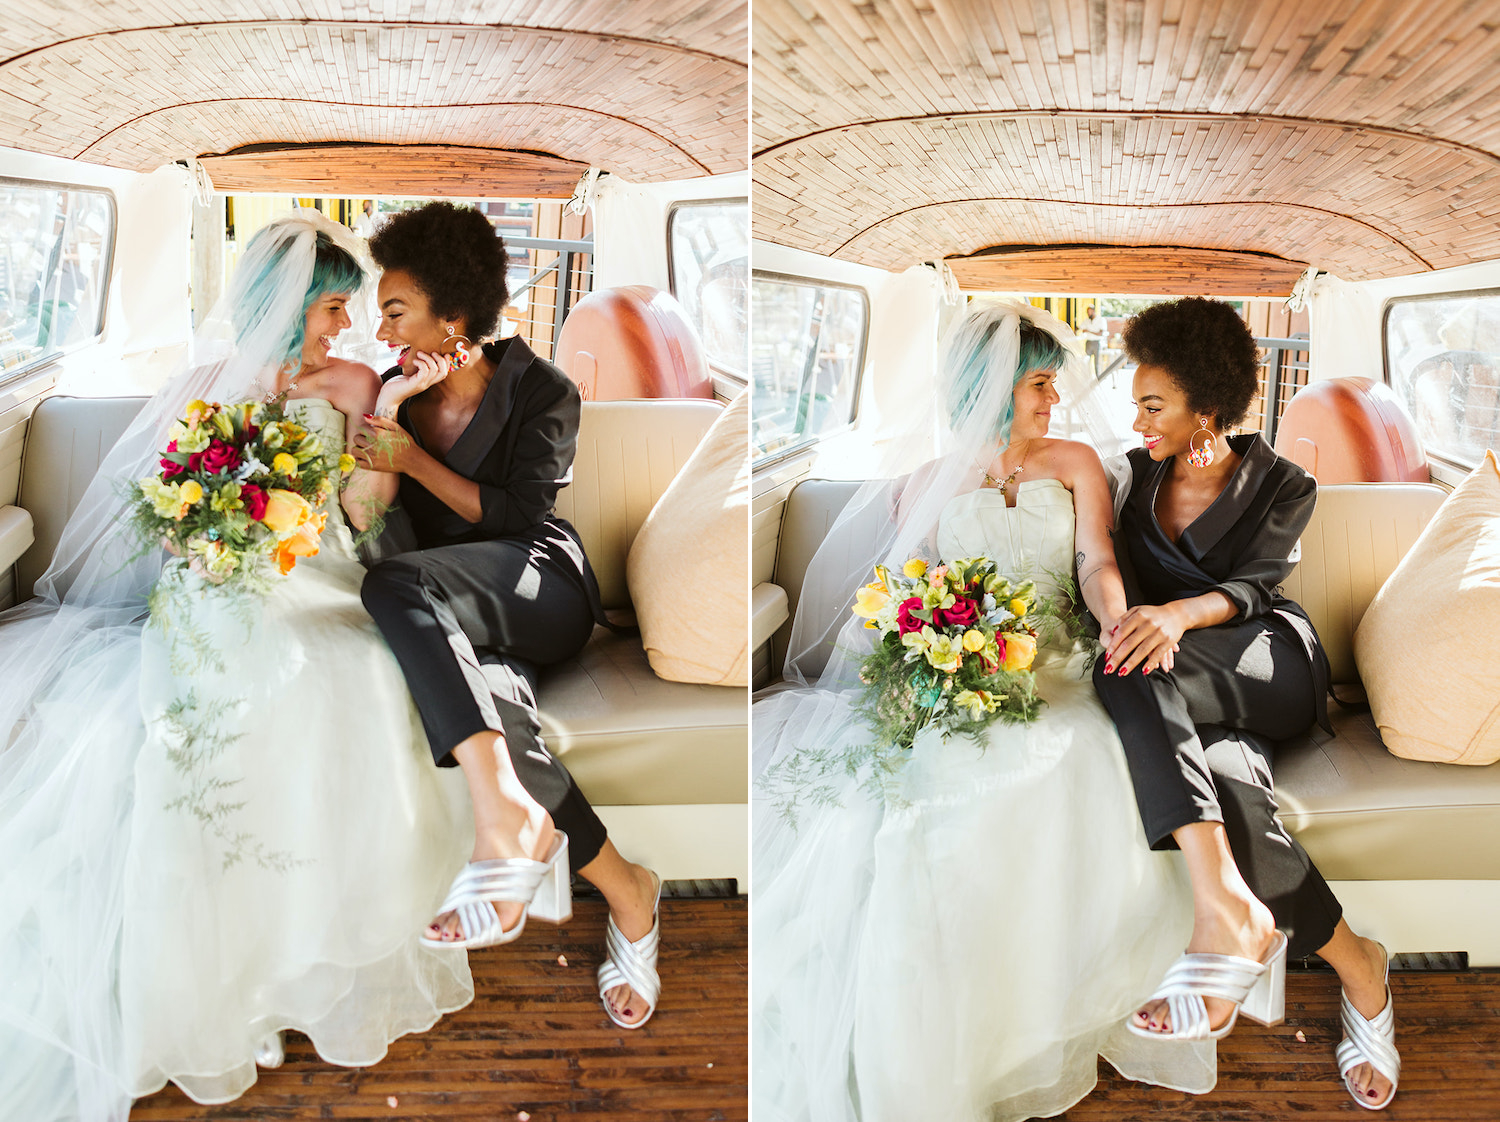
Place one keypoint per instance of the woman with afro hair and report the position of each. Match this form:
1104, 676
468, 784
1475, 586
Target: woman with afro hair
1210, 663
476, 441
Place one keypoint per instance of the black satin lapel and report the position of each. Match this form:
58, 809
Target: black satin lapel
474, 443
1170, 555
1210, 526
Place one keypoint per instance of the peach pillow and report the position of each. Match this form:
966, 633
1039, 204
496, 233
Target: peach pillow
689, 568
1427, 646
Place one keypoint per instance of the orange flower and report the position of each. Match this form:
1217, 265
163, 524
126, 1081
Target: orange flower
1020, 651
303, 543
285, 510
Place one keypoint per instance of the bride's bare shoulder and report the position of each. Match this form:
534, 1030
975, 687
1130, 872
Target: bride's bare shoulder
351, 387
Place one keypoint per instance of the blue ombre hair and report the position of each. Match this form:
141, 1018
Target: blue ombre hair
1039, 350
334, 271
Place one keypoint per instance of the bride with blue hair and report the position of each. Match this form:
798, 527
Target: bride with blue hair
957, 931
218, 818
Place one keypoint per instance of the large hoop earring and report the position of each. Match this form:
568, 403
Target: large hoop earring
1204, 456
460, 356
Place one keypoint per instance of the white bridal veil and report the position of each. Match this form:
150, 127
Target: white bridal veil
890, 519
76, 644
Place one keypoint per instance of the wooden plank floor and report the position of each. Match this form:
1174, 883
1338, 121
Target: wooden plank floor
1447, 1027
536, 1042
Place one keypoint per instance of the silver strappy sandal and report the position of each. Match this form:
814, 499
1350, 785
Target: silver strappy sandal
543, 886
632, 964
1370, 1042
1258, 990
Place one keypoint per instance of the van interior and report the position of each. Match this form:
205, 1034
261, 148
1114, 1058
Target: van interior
142, 145
1331, 168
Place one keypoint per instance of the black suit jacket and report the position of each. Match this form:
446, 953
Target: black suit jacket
1244, 545
518, 447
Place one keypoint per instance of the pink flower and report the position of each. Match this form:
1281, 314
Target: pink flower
905, 621
255, 500
218, 456
963, 613
171, 469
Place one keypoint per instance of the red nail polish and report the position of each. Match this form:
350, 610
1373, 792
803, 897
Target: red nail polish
1146, 671
1109, 668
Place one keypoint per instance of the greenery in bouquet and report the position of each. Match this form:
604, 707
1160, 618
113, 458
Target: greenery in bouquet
955, 649
240, 493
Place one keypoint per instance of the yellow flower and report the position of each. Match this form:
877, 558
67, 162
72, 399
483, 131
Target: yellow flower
285, 511
190, 492
914, 568
1018, 606
870, 599
919, 640
977, 702
346, 464
944, 652
1020, 651
197, 409
973, 640
284, 463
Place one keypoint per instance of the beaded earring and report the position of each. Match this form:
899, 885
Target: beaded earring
460, 355
1204, 456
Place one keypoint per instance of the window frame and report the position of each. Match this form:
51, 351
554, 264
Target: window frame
16, 373
738, 380
1445, 464
761, 461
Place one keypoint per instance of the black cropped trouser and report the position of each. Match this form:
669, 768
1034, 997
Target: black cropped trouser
470, 624
1196, 741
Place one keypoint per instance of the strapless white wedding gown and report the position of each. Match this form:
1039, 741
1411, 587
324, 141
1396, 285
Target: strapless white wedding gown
239, 829
968, 947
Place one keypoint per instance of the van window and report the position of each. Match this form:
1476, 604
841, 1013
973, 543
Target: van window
709, 259
808, 348
1442, 357
55, 247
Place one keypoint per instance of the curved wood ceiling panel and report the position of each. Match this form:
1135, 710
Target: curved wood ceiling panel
716, 28
1358, 135
138, 97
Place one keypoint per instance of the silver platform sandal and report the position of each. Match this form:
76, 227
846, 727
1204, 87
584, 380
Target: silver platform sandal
1258, 990
1370, 1042
543, 886
632, 964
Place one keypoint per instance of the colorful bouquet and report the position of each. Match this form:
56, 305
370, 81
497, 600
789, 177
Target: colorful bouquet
955, 650
240, 492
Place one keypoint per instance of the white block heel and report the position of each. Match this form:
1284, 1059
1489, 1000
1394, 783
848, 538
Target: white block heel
1265, 1004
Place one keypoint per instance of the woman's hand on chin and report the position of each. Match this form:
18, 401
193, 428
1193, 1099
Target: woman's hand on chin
429, 370
382, 444
1146, 636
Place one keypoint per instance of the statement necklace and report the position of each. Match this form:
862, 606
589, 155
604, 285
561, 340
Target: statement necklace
1001, 484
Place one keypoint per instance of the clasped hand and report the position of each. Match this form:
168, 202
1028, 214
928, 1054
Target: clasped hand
1145, 636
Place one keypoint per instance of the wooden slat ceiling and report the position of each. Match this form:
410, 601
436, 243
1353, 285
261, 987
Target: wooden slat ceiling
1361, 136
649, 91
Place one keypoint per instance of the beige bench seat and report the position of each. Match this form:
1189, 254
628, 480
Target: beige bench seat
1364, 814
663, 762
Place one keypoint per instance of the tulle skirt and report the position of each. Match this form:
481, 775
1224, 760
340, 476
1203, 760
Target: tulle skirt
214, 830
968, 945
